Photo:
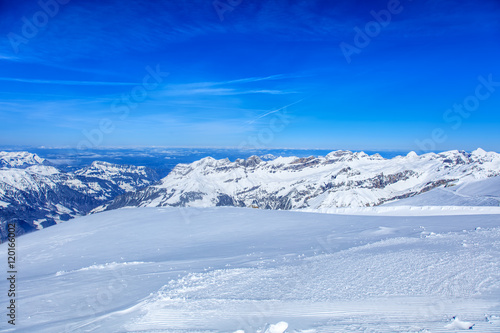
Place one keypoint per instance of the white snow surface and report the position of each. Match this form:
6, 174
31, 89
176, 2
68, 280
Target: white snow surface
485, 192
404, 210
250, 270
460, 325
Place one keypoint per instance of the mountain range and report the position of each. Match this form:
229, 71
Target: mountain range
36, 194
339, 179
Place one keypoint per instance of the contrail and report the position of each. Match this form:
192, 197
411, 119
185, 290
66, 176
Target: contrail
274, 111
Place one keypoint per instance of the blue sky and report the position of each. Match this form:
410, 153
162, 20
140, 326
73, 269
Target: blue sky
270, 74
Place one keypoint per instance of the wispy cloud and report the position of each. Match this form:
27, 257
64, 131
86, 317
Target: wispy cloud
258, 79
67, 82
234, 87
223, 92
173, 22
242, 81
9, 57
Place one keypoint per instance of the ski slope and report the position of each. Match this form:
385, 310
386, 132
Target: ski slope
247, 270
484, 192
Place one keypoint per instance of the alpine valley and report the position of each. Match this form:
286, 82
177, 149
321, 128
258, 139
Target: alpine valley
35, 194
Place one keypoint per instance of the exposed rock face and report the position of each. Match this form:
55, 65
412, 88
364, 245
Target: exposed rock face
340, 179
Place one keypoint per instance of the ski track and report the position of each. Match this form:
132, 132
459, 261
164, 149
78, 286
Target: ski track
394, 286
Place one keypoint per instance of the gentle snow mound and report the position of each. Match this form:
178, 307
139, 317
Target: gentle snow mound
111, 265
278, 328
457, 324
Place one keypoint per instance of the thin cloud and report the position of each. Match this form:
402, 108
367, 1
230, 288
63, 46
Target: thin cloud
217, 88
68, 83
9, 57
257, 79
224, 92
244, 80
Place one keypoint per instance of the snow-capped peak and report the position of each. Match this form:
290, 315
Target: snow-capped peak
479, 152
21, 159
338, 154
267, 157
102, 169
412, 154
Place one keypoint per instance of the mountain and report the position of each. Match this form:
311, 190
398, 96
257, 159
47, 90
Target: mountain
36, 195
20, 160
339, 179
126, 177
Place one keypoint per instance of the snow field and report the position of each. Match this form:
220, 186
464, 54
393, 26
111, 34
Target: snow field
229, 269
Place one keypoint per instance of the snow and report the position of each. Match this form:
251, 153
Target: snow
278, 328
4, 204
399, 209
38, 223
479, 152
459, 325
485, 192
411, 155
43, 170
19, 159
127, 177
21, 179
247, 270
112, 265
267, 157
61, 209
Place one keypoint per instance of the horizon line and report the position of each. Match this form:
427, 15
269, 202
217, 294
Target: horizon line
10, 147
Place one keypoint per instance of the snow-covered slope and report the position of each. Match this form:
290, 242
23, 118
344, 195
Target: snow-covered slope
340, 179
485, 192
127, 177
37, 195
247, 270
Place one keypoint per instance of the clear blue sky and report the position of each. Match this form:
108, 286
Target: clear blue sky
68, 71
